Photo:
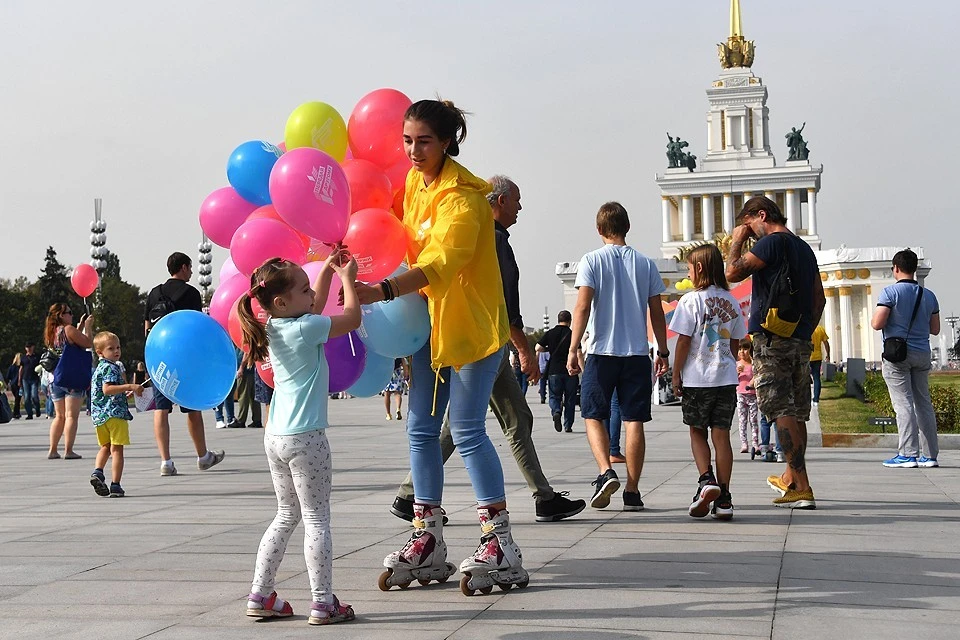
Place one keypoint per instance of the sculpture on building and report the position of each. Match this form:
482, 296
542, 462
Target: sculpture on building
677, 158
796, 144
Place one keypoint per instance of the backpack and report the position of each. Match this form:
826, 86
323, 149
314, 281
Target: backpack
164, 305
781, 310
5, 414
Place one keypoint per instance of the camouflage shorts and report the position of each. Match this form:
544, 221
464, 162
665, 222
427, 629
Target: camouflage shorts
781, 375
709, 406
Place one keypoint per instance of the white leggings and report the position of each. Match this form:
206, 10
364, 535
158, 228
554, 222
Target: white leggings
301, 469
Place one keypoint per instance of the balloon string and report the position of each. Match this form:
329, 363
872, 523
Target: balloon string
353, 351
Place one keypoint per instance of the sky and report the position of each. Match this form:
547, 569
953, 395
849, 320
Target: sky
140, 104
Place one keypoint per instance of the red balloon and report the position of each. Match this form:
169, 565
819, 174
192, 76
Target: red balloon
397, 207
378, 241
235, 330
375, 128
397, 172
268, 212
84, 280
257, 241
265, 369
370, 187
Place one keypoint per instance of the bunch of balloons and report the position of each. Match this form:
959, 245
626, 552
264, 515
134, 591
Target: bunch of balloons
327, 182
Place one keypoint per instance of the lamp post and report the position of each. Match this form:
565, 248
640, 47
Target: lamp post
546, 319
98, 246
952, 321
206, 258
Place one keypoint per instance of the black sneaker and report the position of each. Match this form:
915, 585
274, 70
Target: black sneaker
234, 424
116, 491
99, 484
770, 456
556, 423
707, 491
558, 507
632, 501
606, 484
403, 509
723, 507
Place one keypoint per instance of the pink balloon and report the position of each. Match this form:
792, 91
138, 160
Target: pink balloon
265, 369
228, 270
378, 241
257, 241
311, 193
221, 213
84, 280
226, 296
375, 128
370, 187
397, 173
332, 306
269, 212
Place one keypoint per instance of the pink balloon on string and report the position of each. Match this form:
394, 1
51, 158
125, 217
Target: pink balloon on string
84, 280
221, 213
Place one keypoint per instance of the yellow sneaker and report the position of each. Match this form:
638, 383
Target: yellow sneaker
777, 484
794, 499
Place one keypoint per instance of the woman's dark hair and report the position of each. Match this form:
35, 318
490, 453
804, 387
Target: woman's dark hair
447, 121
53, 323
273, 278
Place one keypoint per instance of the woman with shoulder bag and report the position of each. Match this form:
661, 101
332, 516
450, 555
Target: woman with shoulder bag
68, 379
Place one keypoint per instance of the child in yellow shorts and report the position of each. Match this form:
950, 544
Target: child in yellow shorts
110, 413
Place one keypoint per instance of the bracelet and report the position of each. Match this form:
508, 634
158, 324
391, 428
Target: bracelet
385, 289
396, 286
663, 354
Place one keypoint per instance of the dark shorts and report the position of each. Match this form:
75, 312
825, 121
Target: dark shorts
709, 406
164, 403
630, 376
781, 374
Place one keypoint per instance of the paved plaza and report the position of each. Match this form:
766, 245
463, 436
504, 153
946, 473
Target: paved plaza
174, 559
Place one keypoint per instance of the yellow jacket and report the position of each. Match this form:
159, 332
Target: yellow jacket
450, 237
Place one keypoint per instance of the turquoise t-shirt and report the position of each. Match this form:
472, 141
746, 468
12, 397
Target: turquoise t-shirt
102, 406
300, 374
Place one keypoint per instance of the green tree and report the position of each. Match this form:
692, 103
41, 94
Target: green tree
55, 280
121, 310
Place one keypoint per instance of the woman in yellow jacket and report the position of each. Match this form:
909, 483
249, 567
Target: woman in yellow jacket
453, 263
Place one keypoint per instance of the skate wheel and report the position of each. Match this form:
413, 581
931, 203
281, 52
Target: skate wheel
424, 581
486, 590
505, 587
403, 585
465, 586
382, 582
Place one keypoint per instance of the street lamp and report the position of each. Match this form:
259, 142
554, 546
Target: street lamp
205, 259
546, 319
98, 245
952, 321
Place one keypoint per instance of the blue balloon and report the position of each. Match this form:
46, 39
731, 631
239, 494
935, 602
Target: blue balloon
376, 374
248, 170
191, 359
397, 328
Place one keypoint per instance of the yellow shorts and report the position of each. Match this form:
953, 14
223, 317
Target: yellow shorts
113, 431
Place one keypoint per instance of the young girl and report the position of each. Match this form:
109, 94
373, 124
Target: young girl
295, 440
710, 328
747, 400
397, 385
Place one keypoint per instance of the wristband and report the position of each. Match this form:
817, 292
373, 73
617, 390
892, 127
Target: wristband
663, 354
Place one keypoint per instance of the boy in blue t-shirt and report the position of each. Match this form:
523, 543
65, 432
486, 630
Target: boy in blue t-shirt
617, 286
110, 412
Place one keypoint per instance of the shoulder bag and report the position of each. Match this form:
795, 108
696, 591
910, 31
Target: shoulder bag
895, 348
73, 371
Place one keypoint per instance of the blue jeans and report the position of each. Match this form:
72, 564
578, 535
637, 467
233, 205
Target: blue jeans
524, 381
226, 404
563, 397
468, 393
614, 424
543, 386
765, 433
31, 397
815, 372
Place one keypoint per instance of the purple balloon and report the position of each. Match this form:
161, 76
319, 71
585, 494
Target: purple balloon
346, 357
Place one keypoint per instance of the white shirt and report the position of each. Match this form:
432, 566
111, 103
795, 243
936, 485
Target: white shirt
711, 317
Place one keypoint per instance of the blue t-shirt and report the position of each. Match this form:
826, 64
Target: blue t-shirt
300, 374
803, 270
900, 299
103, 406
622, 280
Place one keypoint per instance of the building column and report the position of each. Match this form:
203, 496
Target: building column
812, 211
793, 210
871, 351
846, 321
665, 212
686, 210
744, 132
728, 216
770, 194
830, 323
706, 210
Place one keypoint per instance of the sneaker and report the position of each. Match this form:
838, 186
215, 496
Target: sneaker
606, 483
794, 499
116, 491
221, 424
568, 430
558, 507
781, 457
906, 462
99, 484
255, 425
212, 459
777, 484
556, 423
399, 415
927, 463
235, 424
616, 458
770, 456
707, 491
632, 501
722, 507
168, 469
403, 509
389, 417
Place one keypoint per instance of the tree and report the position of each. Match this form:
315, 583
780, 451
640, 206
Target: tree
55, 280
121, 309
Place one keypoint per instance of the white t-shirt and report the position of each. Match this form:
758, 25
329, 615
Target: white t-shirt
711, 317
622, 280
300, 374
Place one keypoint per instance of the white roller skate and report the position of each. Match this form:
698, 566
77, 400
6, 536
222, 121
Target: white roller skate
497, 561
424, 557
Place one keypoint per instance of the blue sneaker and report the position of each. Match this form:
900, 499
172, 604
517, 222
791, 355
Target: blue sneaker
928, 463
906, 462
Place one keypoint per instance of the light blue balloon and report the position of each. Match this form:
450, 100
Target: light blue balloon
248, 170
191, 359
397, 328
376, 374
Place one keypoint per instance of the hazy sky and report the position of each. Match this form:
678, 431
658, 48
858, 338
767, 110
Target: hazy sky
141, 104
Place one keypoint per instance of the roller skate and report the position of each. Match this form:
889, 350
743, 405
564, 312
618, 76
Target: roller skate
424, 557
497, 561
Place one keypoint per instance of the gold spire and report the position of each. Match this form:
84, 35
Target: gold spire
737, 52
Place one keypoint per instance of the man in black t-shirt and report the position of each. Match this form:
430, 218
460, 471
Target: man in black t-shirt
563, 386
184, 297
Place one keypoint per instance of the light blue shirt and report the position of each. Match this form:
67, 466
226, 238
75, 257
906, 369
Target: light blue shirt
622, 280
900, 299
300, 374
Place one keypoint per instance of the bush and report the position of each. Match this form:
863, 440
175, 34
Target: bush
840, 378
876, 393
945, 399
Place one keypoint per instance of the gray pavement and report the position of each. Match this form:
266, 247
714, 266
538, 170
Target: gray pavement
174, 559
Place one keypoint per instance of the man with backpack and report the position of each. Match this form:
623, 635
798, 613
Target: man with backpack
786, 305
176, 294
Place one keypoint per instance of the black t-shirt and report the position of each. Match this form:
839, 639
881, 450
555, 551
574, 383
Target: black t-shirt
183, 295
509, 274
557, 343
803, 270
29, 365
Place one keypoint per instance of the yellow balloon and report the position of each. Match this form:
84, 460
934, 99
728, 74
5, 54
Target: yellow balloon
317, 125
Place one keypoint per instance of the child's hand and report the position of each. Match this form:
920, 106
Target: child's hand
348, 271
739, 367
335, 259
